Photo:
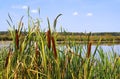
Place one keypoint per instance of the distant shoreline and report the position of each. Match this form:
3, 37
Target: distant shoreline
76, 42
63, 37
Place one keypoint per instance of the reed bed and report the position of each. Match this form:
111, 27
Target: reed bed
38, 56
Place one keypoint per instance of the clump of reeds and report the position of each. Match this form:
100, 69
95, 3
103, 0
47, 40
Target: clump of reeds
37, 58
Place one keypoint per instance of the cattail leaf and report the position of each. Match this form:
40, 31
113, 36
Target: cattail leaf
55, 21
89, 37
38, 22
8, 23
39, 11
20, 26
97, 47
28, 11
48, 23
10, 17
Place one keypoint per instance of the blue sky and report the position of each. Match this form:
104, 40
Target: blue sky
78, 15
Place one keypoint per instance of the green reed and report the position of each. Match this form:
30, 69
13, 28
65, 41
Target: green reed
38, 56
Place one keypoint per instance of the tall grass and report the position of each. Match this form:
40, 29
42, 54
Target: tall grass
38, 56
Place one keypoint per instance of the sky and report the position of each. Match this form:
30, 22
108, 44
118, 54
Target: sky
77, 15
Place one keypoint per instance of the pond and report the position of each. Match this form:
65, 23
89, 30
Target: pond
106, 48
4, 43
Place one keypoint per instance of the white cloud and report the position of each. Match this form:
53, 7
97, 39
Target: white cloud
24, 7
19, 7
89, 14
75, 13
34, 11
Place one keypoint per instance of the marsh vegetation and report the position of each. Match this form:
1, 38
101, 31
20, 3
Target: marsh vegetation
37, 55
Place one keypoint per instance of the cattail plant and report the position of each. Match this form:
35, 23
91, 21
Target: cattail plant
37, 62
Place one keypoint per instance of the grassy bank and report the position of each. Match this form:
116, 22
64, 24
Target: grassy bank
38, 56
107, 38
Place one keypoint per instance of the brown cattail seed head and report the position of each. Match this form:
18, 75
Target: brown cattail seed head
54, 47
8, 57
48, 36
89, 49
17, 39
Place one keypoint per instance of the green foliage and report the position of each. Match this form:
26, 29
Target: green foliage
33, 59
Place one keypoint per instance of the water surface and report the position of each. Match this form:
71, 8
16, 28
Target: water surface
106, 48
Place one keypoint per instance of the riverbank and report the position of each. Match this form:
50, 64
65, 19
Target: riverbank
61, 37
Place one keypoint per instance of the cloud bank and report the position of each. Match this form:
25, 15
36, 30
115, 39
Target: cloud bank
89, 14
34, 11
75, 13
24, 7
